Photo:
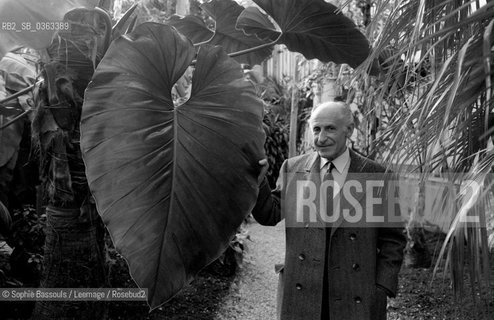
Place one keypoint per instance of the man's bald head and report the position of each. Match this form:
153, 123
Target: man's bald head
331, 124
338, 108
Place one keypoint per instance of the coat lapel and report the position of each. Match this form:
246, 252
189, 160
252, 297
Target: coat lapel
356, 170
312, 169
312, 163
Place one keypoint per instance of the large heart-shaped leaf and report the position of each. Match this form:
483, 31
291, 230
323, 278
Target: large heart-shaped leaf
314, 28
253, 21
192, 27
225, 13
172, 183
32, 23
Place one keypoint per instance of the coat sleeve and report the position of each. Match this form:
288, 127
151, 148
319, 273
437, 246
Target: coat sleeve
267, 210
391, 242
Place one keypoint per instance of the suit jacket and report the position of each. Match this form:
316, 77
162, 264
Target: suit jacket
358, 258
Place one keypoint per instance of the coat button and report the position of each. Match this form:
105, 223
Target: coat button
356, 267
353, 236
298, 286
357, 300
301, 257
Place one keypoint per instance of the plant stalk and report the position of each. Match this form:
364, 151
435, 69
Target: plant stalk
262, 46
245, 51
8, 123
20, 93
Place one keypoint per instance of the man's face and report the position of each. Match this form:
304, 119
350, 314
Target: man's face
330, 130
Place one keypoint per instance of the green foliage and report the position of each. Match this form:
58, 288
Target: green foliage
38, 16
276, 145
315, 28
233, 257
433, 101
27, 240
277, 97
276, 122
27, 230
159, 198
138, 145
5, 220
16, 74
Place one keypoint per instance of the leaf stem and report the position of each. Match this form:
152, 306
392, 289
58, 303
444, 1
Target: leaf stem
245, 51
20, 93
249, 50
19, 116
121, 22
202, 42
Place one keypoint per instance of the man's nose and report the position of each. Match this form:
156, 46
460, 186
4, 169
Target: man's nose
323, 135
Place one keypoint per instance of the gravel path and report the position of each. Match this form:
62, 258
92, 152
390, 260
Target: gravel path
253, 294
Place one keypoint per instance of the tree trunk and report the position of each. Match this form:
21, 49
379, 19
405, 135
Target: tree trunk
292, 147
74, 245
73, 258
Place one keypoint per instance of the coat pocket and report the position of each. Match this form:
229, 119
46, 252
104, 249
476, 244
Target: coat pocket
279, 267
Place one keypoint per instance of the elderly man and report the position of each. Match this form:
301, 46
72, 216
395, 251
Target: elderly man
337, 266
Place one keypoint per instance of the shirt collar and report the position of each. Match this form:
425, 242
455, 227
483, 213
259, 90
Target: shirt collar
339, 163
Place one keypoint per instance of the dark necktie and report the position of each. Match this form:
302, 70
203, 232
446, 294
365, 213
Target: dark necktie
328, 176
325, 296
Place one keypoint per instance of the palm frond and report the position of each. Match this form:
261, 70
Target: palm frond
433, 102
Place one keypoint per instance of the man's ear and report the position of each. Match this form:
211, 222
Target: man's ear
350, 129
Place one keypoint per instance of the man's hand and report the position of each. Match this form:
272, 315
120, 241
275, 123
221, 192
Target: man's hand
264, 169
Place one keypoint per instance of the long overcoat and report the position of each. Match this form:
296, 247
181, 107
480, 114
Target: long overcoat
359, 257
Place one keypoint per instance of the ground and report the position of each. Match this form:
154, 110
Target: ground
250, 294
